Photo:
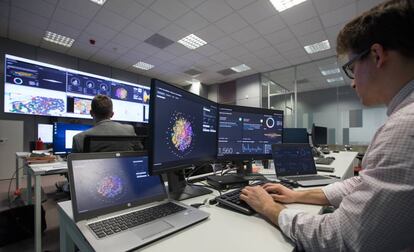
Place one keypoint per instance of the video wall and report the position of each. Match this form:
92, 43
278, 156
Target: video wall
37, 88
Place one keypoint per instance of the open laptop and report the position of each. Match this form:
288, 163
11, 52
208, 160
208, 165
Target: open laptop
118, 207
294, 161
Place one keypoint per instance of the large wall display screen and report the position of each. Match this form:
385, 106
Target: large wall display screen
36, 88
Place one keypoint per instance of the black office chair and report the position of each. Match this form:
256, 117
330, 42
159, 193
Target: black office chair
95, 143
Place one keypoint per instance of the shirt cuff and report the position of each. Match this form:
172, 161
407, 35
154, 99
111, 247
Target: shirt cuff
285, 221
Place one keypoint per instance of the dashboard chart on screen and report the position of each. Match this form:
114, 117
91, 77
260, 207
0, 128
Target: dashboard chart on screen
37, 88
248, 131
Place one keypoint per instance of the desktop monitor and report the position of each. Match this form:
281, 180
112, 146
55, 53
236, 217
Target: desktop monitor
183, 133
319, 135
37, 88
295, 135
63, 134
247, 133
45, 132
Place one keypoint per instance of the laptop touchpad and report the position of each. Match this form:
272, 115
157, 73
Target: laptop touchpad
152, 229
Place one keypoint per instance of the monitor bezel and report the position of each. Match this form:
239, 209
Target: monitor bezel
172, 166
244, 109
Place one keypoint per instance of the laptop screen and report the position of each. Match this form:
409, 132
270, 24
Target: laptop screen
107, 183
293, 159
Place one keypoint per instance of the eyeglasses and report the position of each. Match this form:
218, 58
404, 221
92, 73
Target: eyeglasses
349, 66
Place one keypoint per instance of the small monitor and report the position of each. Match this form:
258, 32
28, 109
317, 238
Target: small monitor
45, 132
319, 135
183, 133
295, 135
247, 133
63, 134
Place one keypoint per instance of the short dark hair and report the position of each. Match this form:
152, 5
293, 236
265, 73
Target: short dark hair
389, 24
102, 107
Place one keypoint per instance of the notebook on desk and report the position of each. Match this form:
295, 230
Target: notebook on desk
294, 161
118, 207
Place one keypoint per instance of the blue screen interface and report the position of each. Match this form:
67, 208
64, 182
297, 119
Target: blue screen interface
63, 134
293, 159
108, 182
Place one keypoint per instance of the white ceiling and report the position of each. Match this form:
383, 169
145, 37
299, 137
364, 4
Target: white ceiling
238, 32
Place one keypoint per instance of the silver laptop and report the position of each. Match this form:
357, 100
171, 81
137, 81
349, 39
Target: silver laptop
294, 161
118, 207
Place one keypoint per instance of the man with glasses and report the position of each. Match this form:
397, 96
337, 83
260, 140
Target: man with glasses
375, 210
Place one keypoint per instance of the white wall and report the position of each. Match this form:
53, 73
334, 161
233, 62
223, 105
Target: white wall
248, 91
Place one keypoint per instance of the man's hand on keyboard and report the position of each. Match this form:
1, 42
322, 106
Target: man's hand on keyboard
280, 193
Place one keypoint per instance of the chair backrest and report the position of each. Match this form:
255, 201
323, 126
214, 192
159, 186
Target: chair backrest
94, 143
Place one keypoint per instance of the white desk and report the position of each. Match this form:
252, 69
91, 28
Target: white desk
20, 156
224, 230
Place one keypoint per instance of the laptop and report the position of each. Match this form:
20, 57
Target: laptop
294, 161
118, 207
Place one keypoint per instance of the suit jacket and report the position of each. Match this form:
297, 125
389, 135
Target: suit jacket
104, 127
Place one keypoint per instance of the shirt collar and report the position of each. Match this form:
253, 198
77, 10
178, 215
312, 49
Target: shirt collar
102, 121
400, 96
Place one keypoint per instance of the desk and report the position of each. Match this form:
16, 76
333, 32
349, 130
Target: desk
224, 230
20, 156
37, 170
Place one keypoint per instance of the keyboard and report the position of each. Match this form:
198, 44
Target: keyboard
231, 200
123, 222
324, 161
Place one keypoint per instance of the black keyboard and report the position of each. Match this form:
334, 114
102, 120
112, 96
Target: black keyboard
231, 200
123, 222
324, 161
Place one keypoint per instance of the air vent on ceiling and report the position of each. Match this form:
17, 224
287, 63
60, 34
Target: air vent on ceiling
159, 41
302, 81
226, 71
192, 72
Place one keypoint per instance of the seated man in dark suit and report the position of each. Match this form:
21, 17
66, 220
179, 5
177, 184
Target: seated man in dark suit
102, 112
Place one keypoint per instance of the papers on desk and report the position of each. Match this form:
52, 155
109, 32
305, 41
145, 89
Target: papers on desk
49, 167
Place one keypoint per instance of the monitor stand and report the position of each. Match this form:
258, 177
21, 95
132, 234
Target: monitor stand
178, 189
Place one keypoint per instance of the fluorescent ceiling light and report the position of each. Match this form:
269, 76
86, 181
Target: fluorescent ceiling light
240, 68
143, 65
317, 47
58, 39
330, 71
281, 5
100, 2
335, 79
192, 41
196, 82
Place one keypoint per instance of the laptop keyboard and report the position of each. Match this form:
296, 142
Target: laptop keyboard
123, 222
306, 178
232, 200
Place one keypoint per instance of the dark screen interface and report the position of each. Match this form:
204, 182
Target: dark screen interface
102, 183
63, 134
293, 159
185, 127
248, 133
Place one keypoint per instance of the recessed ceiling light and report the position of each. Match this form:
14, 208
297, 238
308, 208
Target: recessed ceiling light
58, 39
281, 5
335, 79
100, 2
143, 65
330, 71
240, 68
317, 47
192, 41
194, 81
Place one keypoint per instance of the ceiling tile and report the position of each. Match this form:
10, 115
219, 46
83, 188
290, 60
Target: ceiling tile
192, 21
288, 45
279, 36
210, 33
245, 35
135, 30
151, 20
82, 52
204, 63
214, 10
231, 63
165, 55
207, 50
236, 51
23, 16
99, 31
366, 5
238, 4
192, 3
266, 52
125, 40
270, 25
256, 44
173, 32
192, 56
171, 9
219, 57
339, 16
306, 27
40, 8
178, 49
86, 9
225, 43
126, 8
70, 18
147, 48
312, 38
110, 19
63, 29
323, 6
25, 33
257, 11
115, 48
231, 23
299, 13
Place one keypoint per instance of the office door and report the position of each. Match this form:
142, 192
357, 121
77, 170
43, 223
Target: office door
11, 141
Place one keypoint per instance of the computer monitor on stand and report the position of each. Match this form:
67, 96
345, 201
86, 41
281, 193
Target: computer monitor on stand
246, 134
183, 133
319, 135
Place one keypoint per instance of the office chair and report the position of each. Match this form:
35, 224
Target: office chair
105, 143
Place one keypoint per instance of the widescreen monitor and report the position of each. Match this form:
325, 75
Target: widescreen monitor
183, 129
37, 88
319, 135
63, 134
247, 133
295, 135
45, 132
